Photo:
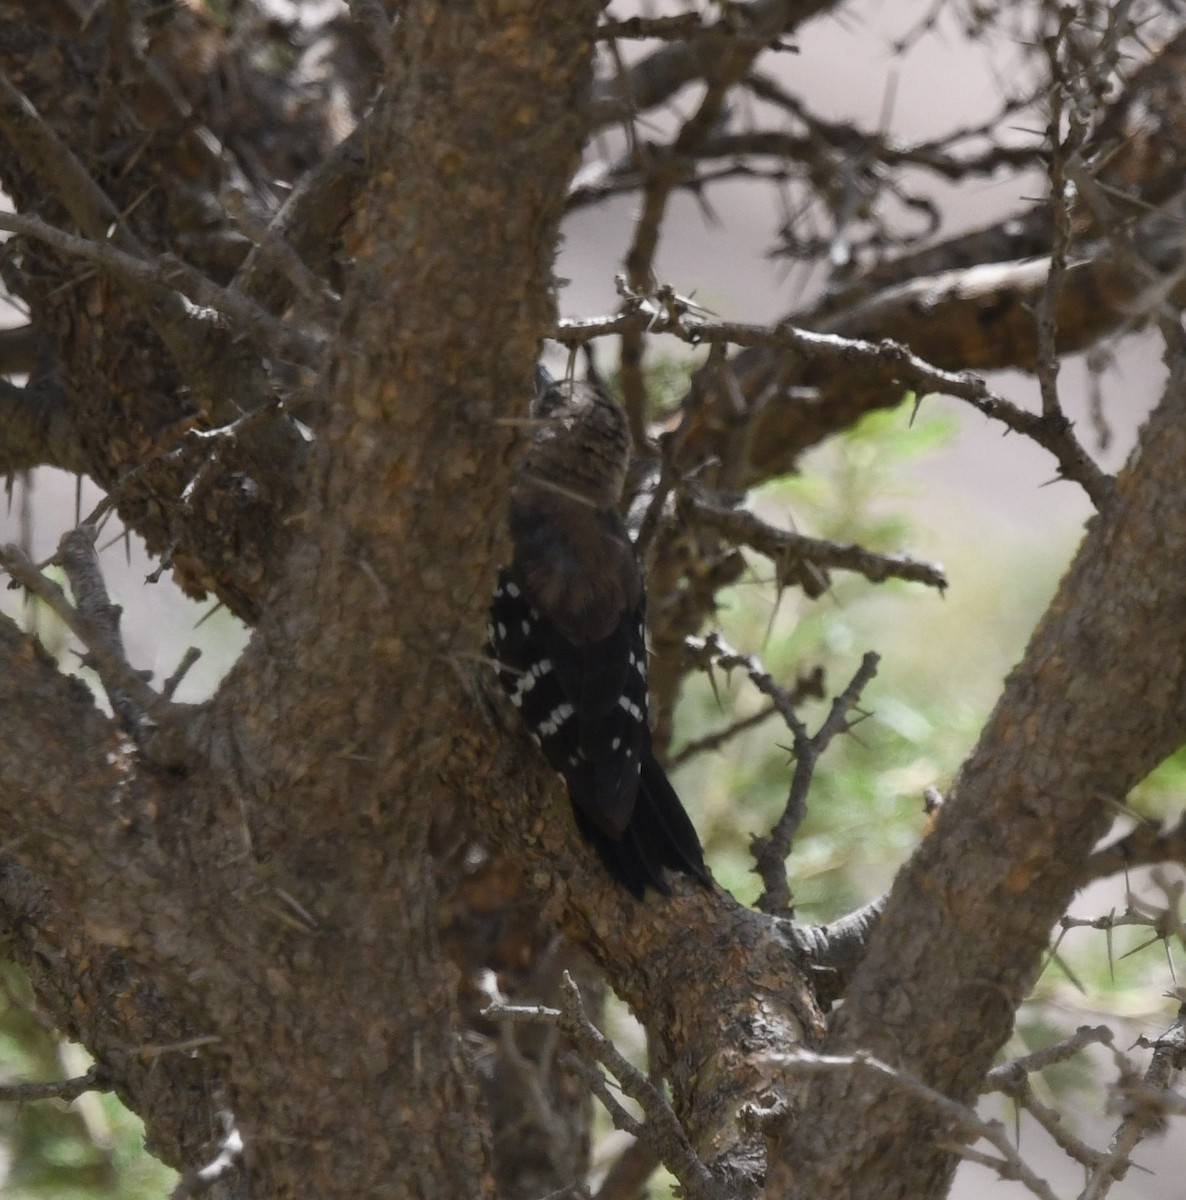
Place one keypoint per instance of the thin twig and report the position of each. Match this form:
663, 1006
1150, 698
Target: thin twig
95, 1080
188, 659
153, 721
959, 1117
907, 368
663, 168
1004, 1077
661, 1128
168, 273
1061, 149
277, 251
720, 737
788, 550
770, 852
671, 29
1141, 1103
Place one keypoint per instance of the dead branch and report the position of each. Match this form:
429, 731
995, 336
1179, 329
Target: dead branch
662, 1129
167, 274
1142, 1103
901, 366
156, 724
957, 1117
95, 1080
789, 551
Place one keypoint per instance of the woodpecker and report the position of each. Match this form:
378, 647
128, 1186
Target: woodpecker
568, 632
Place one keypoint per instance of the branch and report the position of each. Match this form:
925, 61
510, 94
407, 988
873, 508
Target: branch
809, 686
663, 170
168, 274
65, 178
903, 366
677, 28
789, 550
658, 76
95, 1080
1145, 845
713, 651
152, 721
957, 1117
1005, 853
770, 853
835, 950
1012, 1079
1142, 1105
1014, 1072
277, 253
38, 427
662, 1129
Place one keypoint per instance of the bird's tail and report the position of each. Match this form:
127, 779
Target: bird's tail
660, 834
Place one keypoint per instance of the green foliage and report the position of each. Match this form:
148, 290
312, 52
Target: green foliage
1159, 796
865, 810
53, 1151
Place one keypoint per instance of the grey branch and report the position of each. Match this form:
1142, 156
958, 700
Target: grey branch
961, 1120
1013, 1079
788, 550
662, 1128
1143, 1103
167, 273
770, 852
1005, 1077
95, 1080
154, 723
834, 951
658, 76
811, 685
668, 315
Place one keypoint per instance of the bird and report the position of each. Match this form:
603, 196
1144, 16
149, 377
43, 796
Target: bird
567, 632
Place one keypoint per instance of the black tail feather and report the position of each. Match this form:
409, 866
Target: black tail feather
660, 834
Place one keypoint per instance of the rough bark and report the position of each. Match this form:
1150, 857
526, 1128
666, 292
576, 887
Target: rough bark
258, 890
268, 921
970, 915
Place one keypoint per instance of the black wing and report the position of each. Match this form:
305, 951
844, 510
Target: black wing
586, 707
